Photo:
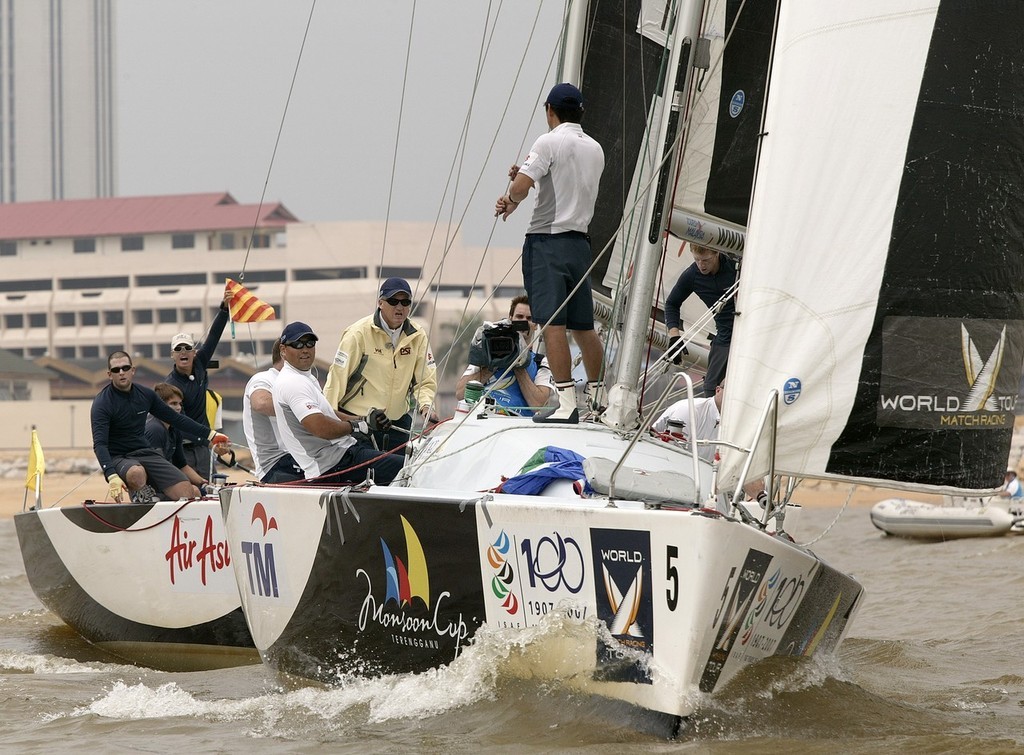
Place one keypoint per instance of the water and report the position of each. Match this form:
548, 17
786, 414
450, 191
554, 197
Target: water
934, 663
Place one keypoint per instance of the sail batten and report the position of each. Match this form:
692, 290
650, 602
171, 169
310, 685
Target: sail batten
887, 220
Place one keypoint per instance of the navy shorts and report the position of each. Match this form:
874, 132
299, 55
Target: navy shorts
553, 263
160, 473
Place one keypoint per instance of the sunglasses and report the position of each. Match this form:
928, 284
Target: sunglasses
394, 301
183, 347
124, 368
306, 343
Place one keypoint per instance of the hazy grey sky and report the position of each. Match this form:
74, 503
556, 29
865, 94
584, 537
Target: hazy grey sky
203, 84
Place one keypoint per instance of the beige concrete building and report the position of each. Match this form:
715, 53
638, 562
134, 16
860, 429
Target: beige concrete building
84, 278
58, 134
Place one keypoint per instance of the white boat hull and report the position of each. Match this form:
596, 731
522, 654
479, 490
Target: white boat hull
399, 580
906, 518
134, 576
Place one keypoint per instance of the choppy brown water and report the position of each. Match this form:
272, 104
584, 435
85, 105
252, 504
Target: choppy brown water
934, 663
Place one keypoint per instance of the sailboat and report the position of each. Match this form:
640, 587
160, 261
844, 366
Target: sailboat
881, 216
151, 583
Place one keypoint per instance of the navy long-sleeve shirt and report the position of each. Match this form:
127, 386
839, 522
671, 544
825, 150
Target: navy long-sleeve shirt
119, 423
193, 387
166, 440
709, 288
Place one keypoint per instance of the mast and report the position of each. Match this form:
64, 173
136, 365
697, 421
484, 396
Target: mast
665, 115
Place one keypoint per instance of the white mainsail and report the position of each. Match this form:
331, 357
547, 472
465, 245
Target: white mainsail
882, 117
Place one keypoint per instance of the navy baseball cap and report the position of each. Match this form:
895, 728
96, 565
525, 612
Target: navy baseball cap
565, 96
393, 286
294, 331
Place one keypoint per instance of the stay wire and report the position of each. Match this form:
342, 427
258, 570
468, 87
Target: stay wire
270, 167
277, 140
398, 137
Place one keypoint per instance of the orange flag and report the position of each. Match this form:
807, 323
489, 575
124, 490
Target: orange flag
245, 307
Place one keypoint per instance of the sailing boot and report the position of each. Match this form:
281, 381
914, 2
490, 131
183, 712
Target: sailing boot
566, 412
145, 494
593, 394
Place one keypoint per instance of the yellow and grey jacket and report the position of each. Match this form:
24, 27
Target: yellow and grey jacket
369, 371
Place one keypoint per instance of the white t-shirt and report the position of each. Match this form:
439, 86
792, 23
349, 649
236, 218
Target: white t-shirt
261, 430
296, 396
565, 165
705, 425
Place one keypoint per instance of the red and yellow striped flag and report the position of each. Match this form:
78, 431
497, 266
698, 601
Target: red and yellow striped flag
245, 307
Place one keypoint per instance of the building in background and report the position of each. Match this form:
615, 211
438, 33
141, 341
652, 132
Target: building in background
58, 135
84, 278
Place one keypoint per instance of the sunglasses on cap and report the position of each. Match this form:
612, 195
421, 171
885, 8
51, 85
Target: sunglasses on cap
183, 347
305, 343
394, 301
123, 368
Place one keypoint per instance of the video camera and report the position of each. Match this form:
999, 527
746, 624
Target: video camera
498, 345
502, 339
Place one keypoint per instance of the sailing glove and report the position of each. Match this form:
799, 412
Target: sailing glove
678, 358
217, 438
117, 487
378, 421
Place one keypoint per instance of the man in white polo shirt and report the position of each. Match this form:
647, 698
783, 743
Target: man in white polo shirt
272, 463
322, 441
565, 165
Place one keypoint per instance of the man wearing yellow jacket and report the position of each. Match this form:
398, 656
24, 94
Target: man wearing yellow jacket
382, 360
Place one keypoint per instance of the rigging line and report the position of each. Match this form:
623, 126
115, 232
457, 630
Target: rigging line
490, 150
277, 141
462, 328
456, 169
481, 57
459, 148
398, 135
824, 532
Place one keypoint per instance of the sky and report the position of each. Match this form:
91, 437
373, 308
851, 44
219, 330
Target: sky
203, 86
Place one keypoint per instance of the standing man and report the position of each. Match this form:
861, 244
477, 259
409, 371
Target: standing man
190, 377
523, 388
119, 414
710, 276
273, 463
321, 439
565, 165
381, 360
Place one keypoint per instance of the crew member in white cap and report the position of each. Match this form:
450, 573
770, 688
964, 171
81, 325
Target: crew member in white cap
190, 377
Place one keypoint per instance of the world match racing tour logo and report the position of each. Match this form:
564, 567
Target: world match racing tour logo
406, 613
920, 351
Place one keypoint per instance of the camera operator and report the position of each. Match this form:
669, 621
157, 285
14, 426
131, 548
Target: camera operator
496, 347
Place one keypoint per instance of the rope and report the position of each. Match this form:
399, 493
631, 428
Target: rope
89, 510
825, 531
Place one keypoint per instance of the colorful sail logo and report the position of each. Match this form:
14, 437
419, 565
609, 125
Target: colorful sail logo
406, 582
501, 582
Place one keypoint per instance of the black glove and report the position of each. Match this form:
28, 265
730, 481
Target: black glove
678, 358
378, 421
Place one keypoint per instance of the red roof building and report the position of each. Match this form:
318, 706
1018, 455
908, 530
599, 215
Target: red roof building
122, 216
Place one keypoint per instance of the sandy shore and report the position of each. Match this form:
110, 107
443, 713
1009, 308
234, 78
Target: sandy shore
73, 476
